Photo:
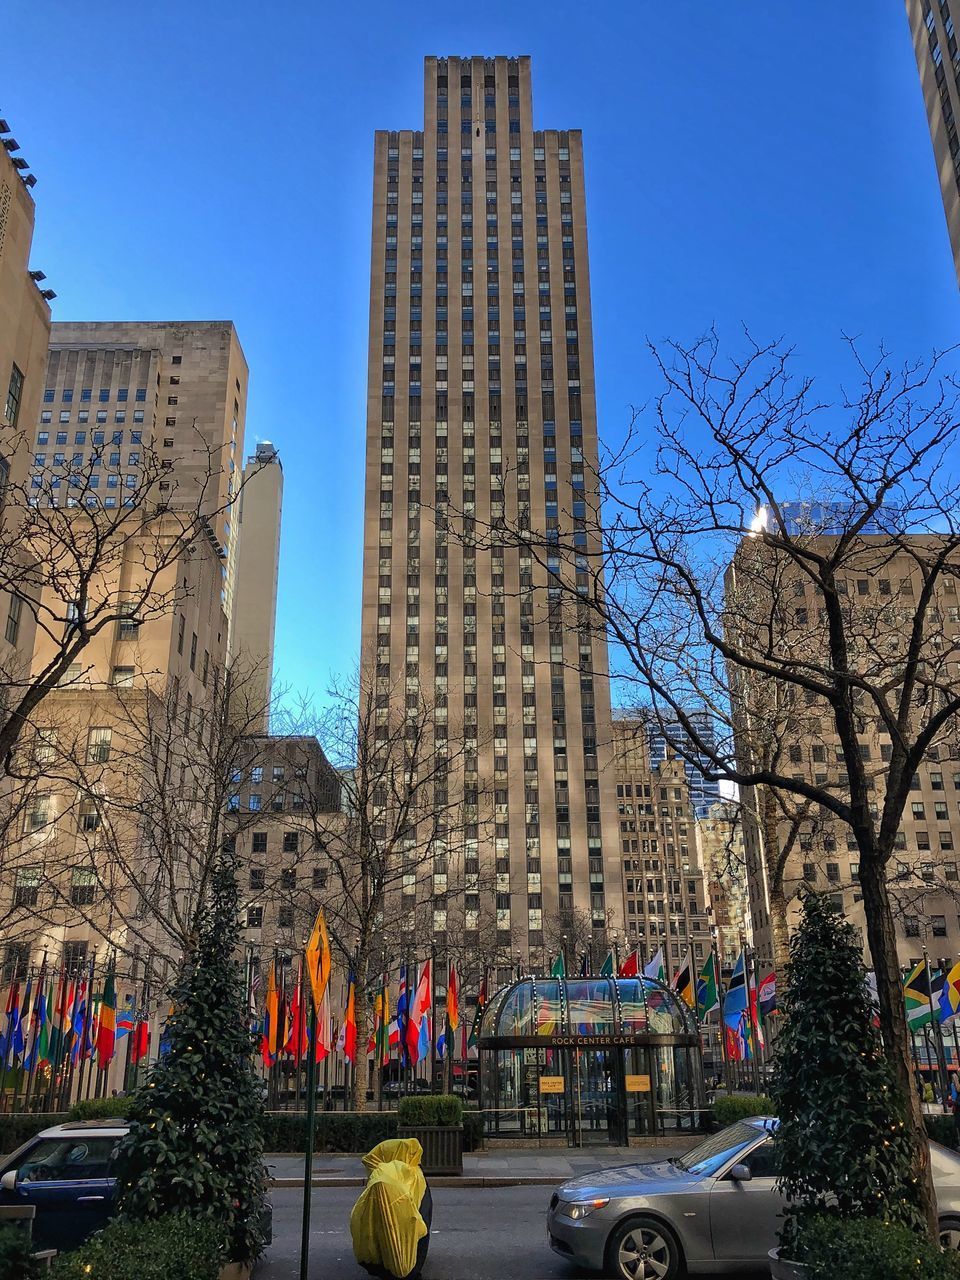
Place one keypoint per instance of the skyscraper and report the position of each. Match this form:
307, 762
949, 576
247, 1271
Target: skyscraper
481, 406
938, 60
254, 621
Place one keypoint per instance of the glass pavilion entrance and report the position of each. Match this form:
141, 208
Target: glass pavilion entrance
590, 1061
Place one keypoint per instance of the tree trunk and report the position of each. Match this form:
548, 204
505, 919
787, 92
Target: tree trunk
882, 940
361, 1009
779, 933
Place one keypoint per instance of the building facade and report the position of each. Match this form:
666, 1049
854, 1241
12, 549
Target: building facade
115, 389
704, 791
720, 846
259, 511
938, 61
481, 407
881, 582
663, 880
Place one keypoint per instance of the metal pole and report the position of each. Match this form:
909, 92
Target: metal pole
748, 974
937, 1032
433, 1016
308, 1155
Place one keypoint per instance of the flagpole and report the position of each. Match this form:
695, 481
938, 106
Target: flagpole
7, 1038
433, 1016
85, 1030
308, 1154
937, 1034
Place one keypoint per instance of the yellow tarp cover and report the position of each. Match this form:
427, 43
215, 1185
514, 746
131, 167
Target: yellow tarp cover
385, 1222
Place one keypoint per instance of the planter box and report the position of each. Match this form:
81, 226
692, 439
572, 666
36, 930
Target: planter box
784, 1269
235, 1271
442, 1147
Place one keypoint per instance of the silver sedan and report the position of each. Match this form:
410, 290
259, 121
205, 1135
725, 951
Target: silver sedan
715, 1209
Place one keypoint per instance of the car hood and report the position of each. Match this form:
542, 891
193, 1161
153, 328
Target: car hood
627, 1180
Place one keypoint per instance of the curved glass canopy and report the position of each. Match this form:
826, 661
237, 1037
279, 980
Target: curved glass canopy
585, 1006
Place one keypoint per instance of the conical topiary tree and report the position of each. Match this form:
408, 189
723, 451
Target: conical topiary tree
195, 1141
843, 1144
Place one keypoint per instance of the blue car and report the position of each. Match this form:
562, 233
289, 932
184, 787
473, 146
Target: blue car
67, 1172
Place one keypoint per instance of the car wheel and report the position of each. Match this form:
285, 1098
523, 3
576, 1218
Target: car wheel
950, 1234
642, 1248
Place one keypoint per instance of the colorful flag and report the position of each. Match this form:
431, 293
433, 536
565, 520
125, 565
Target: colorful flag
654, 968
453, 998
107, 1030
473, 1040
631, 966
767, 996
140, 1044
350, 1023
318, 958
45, 1019
684, 983
79, 1024
271, 1016
296, 1042
418, 1026
13, 1023
559, 967
403, 1008
387, 1041
950, 994
22, 1035
708, 987
735, 1012
607, 968
916, 995
324, 1038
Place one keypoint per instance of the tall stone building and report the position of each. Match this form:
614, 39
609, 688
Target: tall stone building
257, 525
114, 388
881, 581
24, 333
481, 406
938, 61
663, 880
720, 845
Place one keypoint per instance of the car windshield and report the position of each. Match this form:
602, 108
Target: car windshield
713, 1153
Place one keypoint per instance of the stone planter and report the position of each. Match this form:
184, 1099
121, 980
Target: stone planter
235, 1271
784, 1269
442, 1147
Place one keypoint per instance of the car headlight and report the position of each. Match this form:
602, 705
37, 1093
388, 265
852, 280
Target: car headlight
581, 1208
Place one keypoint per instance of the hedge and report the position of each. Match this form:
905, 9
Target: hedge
15, 1260
942, 1129
431, 1109
870, 1249
346, 1132
100, 1109
728, 1108
175, 1247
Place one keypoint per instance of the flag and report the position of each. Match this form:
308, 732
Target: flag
44, 1019
631, 966
559, 967
271, 1015
13, 1023
324, 1038
57, 1039
950, 994
402, 1012
654, 968
387, 1041
318, 958
683, 981
473, 1040
296, 1042
140, 1044
126, 1018
607, 969
735, 1012
418, 1026
350, 1023
79, 1024
916, 995
22, 1034
107, 1030
708, 987
767, 996
453, 998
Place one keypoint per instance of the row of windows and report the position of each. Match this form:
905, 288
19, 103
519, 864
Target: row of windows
46, 417
96, 437
86, 394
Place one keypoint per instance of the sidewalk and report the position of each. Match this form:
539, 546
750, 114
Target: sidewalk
496, 1167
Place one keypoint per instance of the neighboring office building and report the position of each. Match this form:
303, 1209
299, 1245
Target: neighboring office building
720, 845
179, 387
923, 875
938, 60
257, 528
663, 879
24, 334
481, 402
704, 791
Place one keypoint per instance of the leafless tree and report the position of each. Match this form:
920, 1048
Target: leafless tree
715, 592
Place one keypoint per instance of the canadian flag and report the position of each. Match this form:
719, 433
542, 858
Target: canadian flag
418, 1029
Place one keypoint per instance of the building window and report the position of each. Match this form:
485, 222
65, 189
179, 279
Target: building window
260, 842
89, 815
938, 926
83, 887
14, 396
319, 877
74, 956
26, 889
123, 676
253, 802
12, 629
129, 626
98, 745
16, 960
258, 878
291, 841
254, 917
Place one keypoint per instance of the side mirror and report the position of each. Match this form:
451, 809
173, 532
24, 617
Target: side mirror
741, 1173
9, 1180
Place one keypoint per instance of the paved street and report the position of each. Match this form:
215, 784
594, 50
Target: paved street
478, 1234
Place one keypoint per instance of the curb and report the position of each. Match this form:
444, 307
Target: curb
491, 1181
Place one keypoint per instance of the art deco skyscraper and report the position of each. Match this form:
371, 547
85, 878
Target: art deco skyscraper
938, 60
481, 405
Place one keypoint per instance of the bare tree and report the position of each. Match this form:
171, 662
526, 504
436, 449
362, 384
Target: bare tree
717, 593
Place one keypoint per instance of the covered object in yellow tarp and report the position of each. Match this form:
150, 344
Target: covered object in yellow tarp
385, 1223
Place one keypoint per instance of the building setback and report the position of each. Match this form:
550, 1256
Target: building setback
252, 629
938, 61
481, 405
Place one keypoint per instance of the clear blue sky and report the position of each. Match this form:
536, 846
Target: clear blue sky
747, 162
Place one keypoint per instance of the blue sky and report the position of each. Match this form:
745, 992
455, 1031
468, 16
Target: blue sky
747, 163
